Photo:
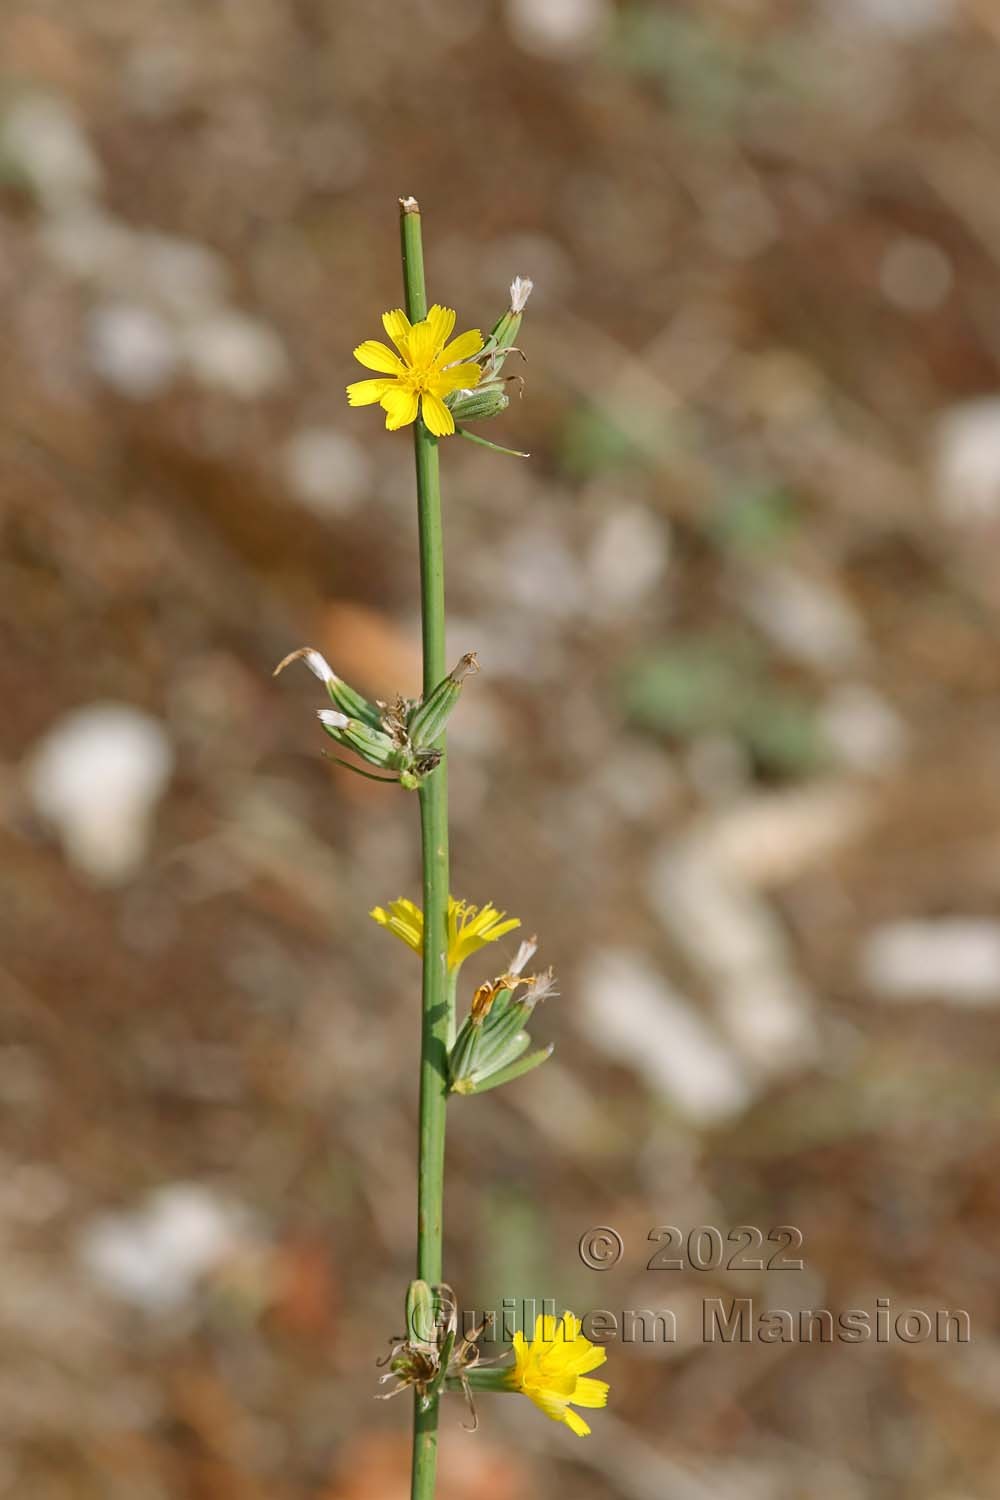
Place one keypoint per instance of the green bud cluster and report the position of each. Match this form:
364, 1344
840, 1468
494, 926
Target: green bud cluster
422, 1359
492, 1041
489, 398
399, 738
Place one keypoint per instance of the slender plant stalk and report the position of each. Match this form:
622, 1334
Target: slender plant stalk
437, 996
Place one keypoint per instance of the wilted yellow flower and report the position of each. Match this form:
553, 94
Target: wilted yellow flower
552, 1370
427, 368
469, 927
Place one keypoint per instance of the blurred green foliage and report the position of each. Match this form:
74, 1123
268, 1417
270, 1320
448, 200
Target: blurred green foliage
754, 519
721, 684
593, 443
708, 71
514, 1260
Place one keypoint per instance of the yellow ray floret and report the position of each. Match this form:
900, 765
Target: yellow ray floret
552, 1370
425, 369
469, 927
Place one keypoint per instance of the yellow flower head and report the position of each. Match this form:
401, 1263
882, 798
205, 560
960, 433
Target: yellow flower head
552, 1370
427, 368
469, 927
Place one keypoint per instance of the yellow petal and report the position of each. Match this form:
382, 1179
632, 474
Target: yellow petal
400, 407
552, 1405
429, 336
590, 1392
575, 1424
437, 416
558, 1382
463, 347
553, 1368
459, 377
585, 1356
441, 321
375, 356
404, 920
487, 924
367, 392
545, 1329
403, 907
456, 912
520, 1347
397, 325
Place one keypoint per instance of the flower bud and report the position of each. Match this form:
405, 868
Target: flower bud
479, 405
421, 1313
521, 289
371, 744
503, 334
428, 719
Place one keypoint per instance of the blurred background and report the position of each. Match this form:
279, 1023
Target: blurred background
733, 753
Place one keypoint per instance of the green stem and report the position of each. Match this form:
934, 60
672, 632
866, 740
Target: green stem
436, 999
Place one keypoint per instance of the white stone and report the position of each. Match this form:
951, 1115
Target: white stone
721, 925
539, 571
236, 354
862, 729
559, 28
952, 959
901, 18
185, 278
96, 778
89, 245
915, 274
41, 137
630, 1012
771, 838
729, 935
628, 558
132, 349
638, 782
177, 277
808, 618
327, 471
767, 1014
966, 460
155, 1256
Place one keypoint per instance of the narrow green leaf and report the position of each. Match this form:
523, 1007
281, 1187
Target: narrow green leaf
368, 775
514, 1070
474, 437
434, 1386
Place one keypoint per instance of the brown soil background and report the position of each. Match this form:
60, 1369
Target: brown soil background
766, 244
